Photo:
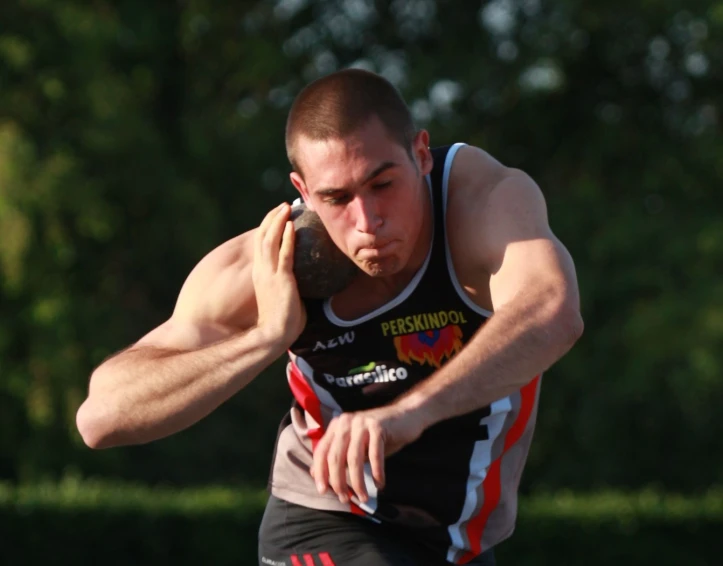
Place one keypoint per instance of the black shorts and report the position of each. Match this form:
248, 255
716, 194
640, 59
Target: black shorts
292, 535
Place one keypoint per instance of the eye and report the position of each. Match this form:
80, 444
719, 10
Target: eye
338, 200
381, 185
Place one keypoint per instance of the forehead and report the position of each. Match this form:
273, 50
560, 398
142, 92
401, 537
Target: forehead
340, 161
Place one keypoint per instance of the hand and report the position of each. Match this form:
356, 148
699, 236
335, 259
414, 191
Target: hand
280, 310
352, 439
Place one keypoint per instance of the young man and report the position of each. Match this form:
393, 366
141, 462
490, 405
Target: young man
414, 405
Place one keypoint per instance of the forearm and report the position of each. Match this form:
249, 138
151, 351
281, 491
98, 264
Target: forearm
146, 393
515, 345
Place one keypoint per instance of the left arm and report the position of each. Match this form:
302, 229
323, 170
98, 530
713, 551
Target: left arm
536, 307
536, 321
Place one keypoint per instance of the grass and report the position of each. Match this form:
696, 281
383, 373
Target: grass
600, 506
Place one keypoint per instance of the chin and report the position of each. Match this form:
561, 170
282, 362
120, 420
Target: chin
380, 267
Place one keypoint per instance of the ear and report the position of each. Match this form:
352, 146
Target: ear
420, 150
300, 186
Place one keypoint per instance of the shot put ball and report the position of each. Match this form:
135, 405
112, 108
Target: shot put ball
320, 267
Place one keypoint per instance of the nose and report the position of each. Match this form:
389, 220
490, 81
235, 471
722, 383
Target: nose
367, 215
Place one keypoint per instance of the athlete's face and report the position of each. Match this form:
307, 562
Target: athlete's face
369, 193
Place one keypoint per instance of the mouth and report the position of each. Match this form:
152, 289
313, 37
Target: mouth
375, 251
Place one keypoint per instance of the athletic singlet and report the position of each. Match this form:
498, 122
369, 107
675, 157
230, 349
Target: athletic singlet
457, 484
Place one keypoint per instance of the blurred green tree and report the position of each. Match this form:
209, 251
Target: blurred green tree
134, 137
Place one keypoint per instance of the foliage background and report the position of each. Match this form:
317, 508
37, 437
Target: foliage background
136, 136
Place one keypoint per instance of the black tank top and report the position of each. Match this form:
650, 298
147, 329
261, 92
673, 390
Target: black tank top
458, 481
369, 361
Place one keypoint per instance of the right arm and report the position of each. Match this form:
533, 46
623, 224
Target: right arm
234, 316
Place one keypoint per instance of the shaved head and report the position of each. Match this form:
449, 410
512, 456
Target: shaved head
339, 104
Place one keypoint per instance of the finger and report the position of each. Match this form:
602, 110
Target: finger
376, 456
319, 470
336, 463
269, 218
263, 228
286, 254
272, 238
356, 456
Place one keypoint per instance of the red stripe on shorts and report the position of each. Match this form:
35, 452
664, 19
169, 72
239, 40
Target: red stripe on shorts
326, 559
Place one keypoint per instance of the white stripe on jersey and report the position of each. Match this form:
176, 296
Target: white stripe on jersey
450, 265
478, 466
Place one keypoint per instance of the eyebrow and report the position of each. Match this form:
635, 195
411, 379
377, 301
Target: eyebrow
378, 171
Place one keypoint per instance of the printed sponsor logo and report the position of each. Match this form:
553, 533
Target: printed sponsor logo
270, 562
427, 338
431, 347
421, 322
370, 373
346, 338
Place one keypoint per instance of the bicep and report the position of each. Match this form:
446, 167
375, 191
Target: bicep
216, 301
540, 266
519, 249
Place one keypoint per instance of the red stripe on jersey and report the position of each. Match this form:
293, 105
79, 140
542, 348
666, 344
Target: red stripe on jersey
308, 560
326, 559
527, 403
492, 485
295, 561
308, 400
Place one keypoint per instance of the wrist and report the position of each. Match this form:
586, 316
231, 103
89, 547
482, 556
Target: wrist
272, 340
420, 407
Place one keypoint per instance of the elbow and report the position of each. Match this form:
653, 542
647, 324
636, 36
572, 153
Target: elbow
569, 325
93, 425
98, 423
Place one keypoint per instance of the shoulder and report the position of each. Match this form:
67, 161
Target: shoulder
479, 180
473, 166
489, 204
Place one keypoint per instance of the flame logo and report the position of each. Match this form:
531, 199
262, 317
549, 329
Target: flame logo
429, 347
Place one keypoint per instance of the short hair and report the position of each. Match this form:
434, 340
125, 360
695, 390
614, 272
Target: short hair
340, 103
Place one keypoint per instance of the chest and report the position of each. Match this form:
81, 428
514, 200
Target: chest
369, 362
